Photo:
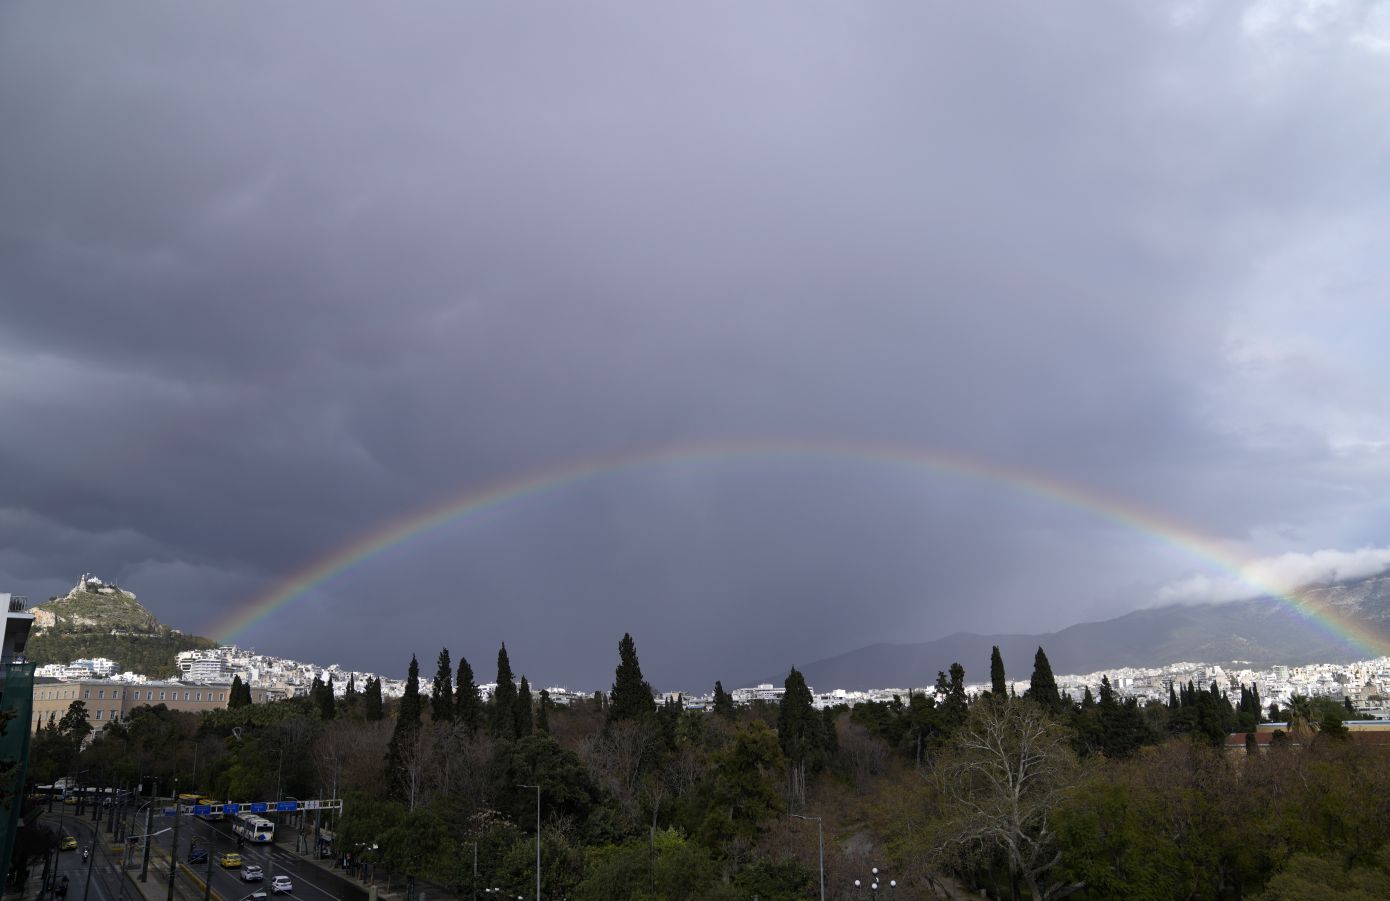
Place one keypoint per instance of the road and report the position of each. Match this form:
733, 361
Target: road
311, 882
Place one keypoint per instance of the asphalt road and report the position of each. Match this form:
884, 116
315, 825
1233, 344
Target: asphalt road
311, 882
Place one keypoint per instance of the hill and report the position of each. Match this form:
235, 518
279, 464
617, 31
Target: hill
1261, 632
96, 619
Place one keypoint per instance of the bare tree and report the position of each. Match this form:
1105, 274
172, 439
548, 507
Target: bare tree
997, 784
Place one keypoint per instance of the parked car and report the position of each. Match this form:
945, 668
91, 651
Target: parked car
251, 873
229, 859
281, 884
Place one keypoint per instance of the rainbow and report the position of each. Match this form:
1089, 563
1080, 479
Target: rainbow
519, 488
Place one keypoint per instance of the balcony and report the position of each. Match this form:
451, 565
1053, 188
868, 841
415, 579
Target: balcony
18, 604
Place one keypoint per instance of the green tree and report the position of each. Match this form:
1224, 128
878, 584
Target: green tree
442, 692
631, 696
400, 753
744, 790
328, 705
372, 707
468, 704
998, 686
954, 704
523, 712
234, 697
1042, 688
723, 701
800, 733
502, 717
543, 713
74, 725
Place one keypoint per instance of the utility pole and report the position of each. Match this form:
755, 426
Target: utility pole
538, 838
149, 827
207, 877
174, 850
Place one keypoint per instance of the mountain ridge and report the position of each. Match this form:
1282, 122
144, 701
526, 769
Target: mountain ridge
1261, 631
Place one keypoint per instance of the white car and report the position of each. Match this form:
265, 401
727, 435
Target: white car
280, 885
251, 873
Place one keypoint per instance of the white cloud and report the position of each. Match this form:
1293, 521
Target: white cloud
1284, 573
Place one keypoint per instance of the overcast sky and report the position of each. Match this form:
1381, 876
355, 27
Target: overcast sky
275, 275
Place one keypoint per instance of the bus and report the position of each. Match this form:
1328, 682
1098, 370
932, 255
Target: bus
213, 815
253, 828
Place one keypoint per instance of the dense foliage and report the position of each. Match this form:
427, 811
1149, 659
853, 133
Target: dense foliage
1042, 796
150, 655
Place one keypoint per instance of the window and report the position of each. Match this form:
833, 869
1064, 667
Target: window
221, 696
98, 713
161, 695
200, 696
101, 694
185, 696
87, 693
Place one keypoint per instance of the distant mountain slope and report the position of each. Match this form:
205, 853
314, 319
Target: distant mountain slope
1262, 631
99, 620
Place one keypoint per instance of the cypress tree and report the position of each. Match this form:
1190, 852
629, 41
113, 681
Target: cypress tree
316, 694
723, 701
543, 713
468, 704
1087, 700
996, 673
799, 731
442, 692
502, 716
234, 696
407, 728
631, 695
522, 712
328, 704
954, 705
1173, 702
372, 708
350, 693
410, 701
1042, 688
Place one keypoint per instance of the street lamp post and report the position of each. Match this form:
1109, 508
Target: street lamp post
820, 842
174, 849
147, 836
537, 787
875, 879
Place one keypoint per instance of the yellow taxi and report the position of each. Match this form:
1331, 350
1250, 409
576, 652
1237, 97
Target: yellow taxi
229, 859
69, 843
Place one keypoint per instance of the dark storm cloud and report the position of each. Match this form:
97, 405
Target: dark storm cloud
270, 277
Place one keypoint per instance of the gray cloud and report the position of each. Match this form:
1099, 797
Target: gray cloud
271, 278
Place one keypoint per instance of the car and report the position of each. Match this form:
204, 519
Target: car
197, 854
251, 873
281, 884
69, 843
229, 859
71, 799
258, 895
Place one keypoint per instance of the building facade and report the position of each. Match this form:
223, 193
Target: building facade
108, 701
